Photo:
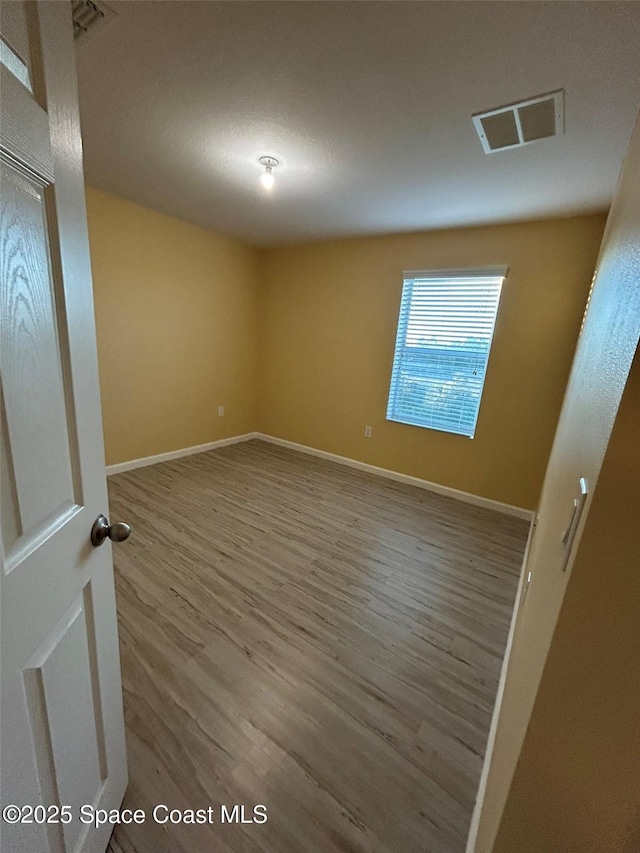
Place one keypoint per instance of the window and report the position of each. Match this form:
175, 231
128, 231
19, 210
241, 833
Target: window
442, 348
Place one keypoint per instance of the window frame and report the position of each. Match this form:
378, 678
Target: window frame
409, 277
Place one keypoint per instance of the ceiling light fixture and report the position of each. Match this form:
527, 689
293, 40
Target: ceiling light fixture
269, 163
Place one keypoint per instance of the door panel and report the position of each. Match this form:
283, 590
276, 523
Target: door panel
61, 702
15, 38
24, 127
40, 461
61, 688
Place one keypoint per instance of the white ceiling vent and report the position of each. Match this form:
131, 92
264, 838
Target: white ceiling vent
519, 124
88, 15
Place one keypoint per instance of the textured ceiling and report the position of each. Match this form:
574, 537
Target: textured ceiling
367, 105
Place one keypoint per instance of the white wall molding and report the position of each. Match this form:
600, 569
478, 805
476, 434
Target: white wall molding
457, 494
120, 467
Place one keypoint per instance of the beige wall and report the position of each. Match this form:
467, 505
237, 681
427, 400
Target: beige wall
577, 784
176, 324
328, 315
298, 342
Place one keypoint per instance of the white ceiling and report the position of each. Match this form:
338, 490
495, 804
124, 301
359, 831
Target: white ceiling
367, 105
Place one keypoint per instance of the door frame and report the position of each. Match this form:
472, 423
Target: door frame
608, 340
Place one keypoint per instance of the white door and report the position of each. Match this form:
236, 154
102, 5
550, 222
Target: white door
62, 731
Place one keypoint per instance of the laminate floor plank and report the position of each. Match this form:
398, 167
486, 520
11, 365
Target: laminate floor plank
312, 638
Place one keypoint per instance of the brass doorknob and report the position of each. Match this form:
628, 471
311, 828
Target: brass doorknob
101, 529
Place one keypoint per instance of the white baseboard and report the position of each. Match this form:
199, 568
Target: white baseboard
466, 497
120, 467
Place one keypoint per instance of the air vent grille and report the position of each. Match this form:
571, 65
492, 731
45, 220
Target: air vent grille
515, 125
87, 15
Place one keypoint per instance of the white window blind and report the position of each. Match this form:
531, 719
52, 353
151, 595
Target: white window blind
444, 337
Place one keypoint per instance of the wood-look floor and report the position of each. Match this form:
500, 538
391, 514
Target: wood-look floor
312, 638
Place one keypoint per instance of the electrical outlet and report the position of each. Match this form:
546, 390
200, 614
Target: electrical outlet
367, 432
220, 411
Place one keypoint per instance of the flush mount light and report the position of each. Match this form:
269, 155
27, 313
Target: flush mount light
269, 164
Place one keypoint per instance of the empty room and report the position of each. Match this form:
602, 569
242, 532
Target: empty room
320, 393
